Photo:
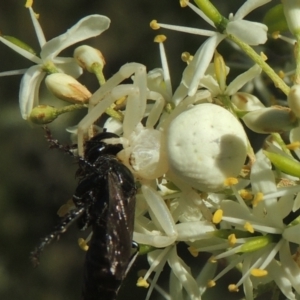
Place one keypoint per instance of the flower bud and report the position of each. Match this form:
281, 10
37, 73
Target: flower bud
67, 88
262, 120
43, 114
294, 99
206, 144
291, 10
246, 102
88, 57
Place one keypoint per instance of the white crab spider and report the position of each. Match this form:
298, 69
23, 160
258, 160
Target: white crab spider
142, 146
110, 92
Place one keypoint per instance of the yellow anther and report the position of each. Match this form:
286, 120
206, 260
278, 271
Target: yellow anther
233, 288
183, 3
142, 283
82, 244
211, 283
257, 198
154, 25
232, 239
65, 208
230, 181
220, 70
186, 57
293, 146
217, 217
28, 3
160, 38
281, 74
194, 252
276, 35
121, 101
263, 56
246, 195
248, 227
259, 273
212, 260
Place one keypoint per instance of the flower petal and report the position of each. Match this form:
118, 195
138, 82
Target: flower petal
247, 7
242, 79
69, 66
87, 27
291, 234
252, 33
183, 274
28, 95
196, 69
21, 51
37, 27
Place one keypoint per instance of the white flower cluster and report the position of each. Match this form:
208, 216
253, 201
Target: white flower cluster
188, 150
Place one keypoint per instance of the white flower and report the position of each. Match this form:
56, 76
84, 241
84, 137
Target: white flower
291, 10
271, 205
87, 27
252, 33
162, 229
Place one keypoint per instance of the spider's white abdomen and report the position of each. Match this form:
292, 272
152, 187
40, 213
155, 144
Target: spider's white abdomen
206, 144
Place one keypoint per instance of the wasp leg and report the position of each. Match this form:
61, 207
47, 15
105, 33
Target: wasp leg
58, 230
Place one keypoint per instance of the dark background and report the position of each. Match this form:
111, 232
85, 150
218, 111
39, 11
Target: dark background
36, 181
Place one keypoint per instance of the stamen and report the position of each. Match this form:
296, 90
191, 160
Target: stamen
183, 3
83, 244
276, 35
263, 56
154, 25
257, 198
233, 288
232, 239
293, 146
259, 273
164, 62
65, 208
230, 181
217, 217
212, 260
246, 195
28, 3
211, 283
186, 57
249, 227
281, 74
142, 283
160, 38
193, 251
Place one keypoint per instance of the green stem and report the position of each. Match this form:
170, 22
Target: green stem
70, 108
210, 11
297, 56
278, 82
278, 139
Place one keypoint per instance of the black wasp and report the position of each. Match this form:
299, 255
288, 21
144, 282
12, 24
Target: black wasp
105, 200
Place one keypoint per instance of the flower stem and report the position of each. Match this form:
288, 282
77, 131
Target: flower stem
297, 57
278, 82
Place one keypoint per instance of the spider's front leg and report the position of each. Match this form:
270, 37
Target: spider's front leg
110, 92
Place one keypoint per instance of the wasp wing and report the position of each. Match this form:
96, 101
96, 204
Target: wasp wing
120, 220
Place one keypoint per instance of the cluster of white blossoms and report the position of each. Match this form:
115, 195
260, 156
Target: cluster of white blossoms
199, 180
